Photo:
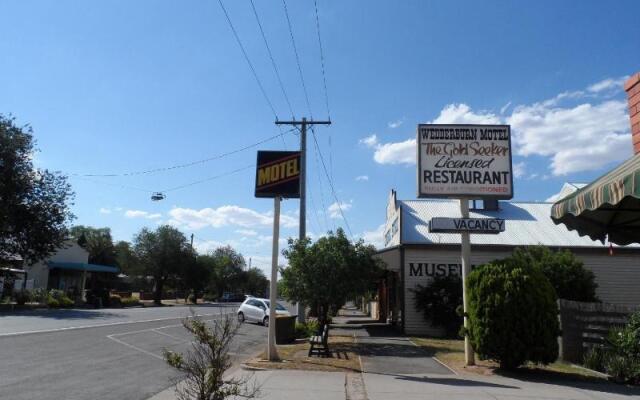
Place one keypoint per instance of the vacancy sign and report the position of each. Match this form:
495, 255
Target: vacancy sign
471, 225
278, 174
458, 161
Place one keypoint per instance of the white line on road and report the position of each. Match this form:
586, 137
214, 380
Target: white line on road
68, 328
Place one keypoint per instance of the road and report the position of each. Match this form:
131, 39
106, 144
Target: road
105, 354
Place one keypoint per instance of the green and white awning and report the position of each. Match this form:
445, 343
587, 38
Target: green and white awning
609, 206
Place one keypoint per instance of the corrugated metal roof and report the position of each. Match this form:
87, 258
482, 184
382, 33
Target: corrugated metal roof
525, 224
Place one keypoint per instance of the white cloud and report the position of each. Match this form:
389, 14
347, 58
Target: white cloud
247, 232
141, 214
608, 84
374, 237
463, 114
519, 169
395, 124
334, 209
362, 178
225, 216
369, 141
585, 135
504, 108
104, 210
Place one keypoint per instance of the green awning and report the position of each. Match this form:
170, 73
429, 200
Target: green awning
83, 267
609, 206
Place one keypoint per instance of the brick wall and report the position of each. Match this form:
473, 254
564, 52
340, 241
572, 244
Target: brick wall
632, 87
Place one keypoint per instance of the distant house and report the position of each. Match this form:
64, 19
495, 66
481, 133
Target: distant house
68, 269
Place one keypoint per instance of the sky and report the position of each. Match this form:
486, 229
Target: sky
122, 87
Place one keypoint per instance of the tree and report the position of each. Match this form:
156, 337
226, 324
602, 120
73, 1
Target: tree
254, 282
126, 259
567, 274
35, 202
513, 315
228, 267
204, 366
97, 241
439, 301
162, 253
195, 276
328, 272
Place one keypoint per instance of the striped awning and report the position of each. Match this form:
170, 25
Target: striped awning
609, 206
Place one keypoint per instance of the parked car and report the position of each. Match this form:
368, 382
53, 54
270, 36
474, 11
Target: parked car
254, 309
231, 298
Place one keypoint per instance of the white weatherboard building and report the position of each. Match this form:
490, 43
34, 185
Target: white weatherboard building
413, 255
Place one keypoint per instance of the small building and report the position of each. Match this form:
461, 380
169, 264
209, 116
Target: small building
68, 269
413, 255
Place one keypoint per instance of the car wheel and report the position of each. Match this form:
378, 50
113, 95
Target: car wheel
265, 321
240, 317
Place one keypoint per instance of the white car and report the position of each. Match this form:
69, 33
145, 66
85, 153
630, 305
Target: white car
254, 309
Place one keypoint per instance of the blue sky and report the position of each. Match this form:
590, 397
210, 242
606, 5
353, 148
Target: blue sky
121, 86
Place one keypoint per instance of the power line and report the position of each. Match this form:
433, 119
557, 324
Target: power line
295, 50
273, 63
333, 190
246, 57
324, 79
192, 163
211, 178
324, 210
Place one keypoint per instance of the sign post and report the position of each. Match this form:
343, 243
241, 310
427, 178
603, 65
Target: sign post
465, 162
277, 176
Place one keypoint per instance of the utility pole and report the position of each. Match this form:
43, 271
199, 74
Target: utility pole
303, 182
465, 245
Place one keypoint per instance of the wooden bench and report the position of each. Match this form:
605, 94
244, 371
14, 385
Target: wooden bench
320, 343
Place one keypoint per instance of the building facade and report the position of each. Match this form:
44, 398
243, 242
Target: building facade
413, 255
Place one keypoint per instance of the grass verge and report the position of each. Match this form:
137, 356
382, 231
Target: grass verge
451, 353
343, 358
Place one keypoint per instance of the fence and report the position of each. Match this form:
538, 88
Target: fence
585, 325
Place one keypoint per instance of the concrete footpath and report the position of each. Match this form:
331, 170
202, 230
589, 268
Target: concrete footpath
395, 368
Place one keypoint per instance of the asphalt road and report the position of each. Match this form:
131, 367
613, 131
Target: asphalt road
100, 354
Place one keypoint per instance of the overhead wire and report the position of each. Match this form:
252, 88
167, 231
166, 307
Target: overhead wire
333, 190
324, 79
295, 51
324, 209
246, 57
189, 164
273, 62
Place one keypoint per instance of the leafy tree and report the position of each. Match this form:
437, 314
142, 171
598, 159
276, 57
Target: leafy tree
254, 282
228, 268
567, 274
439, 301
195, 276
126, 259
513, 314
35, 202
162, 253
98, 242
328, 272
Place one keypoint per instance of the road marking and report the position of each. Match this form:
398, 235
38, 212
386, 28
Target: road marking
136, 348
68, 328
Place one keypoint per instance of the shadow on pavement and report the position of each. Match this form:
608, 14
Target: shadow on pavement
455, 382
571, 380
75, 314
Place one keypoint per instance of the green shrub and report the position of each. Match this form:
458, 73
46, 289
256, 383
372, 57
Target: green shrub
307, 329
22, 296
595, 358
622, 361
40, 295
52, 302
66, 302
439, 301
192, 299
567, 274
130, 301
209, 297
513, 314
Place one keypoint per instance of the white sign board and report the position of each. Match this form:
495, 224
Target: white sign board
458, 161
471, 225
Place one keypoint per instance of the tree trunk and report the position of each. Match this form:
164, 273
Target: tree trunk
157, 291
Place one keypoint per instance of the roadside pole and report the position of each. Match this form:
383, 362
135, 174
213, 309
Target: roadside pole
302, 233
469, 358
272, 353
